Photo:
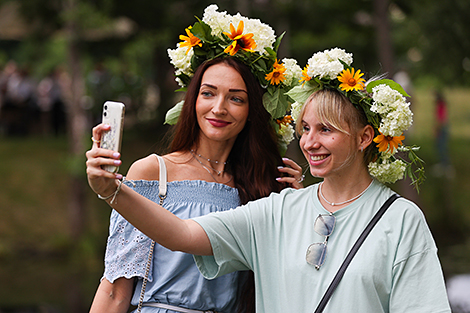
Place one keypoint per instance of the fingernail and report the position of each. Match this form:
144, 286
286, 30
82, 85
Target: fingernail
117, 162
285, 159
280, 167
118, 176
278, 179
116, 155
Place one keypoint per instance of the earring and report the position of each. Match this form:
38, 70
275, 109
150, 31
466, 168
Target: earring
362, 149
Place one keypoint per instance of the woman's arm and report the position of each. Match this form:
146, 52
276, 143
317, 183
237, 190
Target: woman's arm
113, 297
161, 225
153, 220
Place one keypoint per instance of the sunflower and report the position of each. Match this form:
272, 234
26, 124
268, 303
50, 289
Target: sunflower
190, 40
350, 80
277, 74
388, 143
305, 77
240, 41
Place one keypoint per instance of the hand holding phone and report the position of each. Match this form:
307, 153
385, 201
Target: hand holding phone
113, 115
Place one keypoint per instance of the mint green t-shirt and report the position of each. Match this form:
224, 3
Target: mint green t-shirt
396, 269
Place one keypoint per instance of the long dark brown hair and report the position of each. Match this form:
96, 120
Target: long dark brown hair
254, 158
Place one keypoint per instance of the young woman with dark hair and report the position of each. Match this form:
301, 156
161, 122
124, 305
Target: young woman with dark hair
224, 152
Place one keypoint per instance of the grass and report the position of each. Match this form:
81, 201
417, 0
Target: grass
39, 258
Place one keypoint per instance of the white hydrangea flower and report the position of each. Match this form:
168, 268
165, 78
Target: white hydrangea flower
396, 122
293, 72
263, 34
180, 82
296, 107
181, 60
340, 54
326, 64
218, 21
393, 109
287, 133
387, 171
384, 95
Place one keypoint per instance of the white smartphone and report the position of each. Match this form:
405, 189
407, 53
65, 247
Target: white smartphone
113, 115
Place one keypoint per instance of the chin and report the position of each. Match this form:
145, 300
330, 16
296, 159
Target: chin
317, 174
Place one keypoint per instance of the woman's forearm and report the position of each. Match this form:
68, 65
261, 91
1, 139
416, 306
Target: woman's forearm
161, 225
113, 297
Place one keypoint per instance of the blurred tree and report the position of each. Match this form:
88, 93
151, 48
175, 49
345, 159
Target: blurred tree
47, 20
76, 116
383, 34
433, 39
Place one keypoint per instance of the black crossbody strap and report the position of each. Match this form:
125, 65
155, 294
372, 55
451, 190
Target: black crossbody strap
349, 257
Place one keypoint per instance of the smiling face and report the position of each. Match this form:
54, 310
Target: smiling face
222, 104
328, 150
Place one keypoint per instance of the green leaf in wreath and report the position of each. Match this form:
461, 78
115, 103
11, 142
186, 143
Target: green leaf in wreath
394, 85
275, 102
278, 41
202, 31
300, 94
173, 114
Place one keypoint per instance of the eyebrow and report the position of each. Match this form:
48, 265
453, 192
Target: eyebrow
230, 90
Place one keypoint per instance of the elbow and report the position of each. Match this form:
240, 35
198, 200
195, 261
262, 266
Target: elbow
118, 299
113, 297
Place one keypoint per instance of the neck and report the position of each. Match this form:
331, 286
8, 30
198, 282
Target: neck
212, 156
214, 152
339, 190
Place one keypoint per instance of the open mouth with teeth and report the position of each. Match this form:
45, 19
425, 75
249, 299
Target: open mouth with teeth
316, 158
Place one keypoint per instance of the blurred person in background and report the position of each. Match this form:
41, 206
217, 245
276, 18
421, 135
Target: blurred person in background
20, 112
51, 104
443, 167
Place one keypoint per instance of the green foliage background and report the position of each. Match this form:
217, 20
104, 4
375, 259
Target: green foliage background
42, 267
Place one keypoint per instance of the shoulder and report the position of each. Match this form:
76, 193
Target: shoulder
408, 223
408, 210
293, 194
402, 209
402, 214
144, 169
148, 168
287, 199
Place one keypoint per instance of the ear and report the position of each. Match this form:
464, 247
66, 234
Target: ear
365, 136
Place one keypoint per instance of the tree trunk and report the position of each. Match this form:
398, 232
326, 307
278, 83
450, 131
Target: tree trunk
77, 123
384, 37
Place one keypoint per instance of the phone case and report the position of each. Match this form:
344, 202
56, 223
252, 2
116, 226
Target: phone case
113, 115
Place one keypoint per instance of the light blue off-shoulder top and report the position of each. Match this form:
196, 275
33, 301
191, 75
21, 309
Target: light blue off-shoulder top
173, 278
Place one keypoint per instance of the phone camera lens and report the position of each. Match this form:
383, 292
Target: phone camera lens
104, 113
105, 107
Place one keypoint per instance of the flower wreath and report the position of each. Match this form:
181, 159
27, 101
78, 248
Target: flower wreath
250, 41
383, 102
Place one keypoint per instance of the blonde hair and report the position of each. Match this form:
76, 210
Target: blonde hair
334, 109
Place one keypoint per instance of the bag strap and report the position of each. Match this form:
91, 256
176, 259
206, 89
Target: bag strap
162, 185
352, 253
162, 178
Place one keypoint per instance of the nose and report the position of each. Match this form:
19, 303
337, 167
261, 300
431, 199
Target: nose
219, 107
309, 141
